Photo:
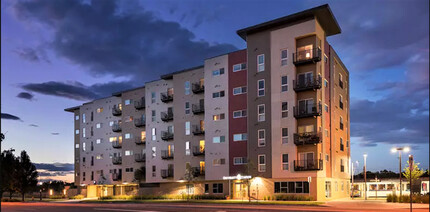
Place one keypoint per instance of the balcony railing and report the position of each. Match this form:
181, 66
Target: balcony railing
198, 171
198, 88
116, 127
140, 157
166, 116
307, 138
166, 97
140, 122
116, 111
166, 155
116, 177
197, 150
139, 140
166, 135
116, 144
307, 56
308, 165
198, 130
140, 104
308, 111
166, 173
117, 160
308, 84
197, 109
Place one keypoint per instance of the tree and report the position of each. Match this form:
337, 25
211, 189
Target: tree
190, 176
415, 174
25, 175
8, 163
140, 174
1, 137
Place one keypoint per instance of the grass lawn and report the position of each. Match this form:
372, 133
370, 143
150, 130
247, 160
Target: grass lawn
311, 203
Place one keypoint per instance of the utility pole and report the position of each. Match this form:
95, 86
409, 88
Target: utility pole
365, 180
411, 167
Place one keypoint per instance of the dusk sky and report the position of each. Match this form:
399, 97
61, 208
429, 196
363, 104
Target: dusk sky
59, 54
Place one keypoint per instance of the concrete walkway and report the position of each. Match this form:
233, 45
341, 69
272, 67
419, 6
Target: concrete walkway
372, 204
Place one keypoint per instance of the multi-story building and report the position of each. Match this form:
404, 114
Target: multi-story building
276, 112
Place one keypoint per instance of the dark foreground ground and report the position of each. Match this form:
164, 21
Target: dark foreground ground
356, 205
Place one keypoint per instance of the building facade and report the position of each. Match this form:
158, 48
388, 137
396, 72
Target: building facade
276, 112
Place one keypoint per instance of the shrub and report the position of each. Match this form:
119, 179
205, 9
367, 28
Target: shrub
10, 200
79, 196
390, 197
286, 197
57, 197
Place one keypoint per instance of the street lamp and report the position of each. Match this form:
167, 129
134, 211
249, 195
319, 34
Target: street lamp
365, 181
257, 181
400, 150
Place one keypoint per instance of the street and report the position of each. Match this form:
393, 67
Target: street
177, 207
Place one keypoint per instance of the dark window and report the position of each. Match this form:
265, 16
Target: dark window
206, 188
306, 187
291, 187
217, 188
277, 187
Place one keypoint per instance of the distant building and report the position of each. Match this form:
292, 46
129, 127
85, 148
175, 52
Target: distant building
384, 187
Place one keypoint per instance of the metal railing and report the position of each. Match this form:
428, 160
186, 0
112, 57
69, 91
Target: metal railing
140, 157
308, 165
198, 88
140, 122
139, 140
307, 84
166, 135
166, 173
307, 138
116, 160
197, 150
308, 111
198, 130
116, 111
116, 144
166, 116
307, 56
166, 154
116, 127
116, 177
139, 104
166, 97
198, 171
197, 109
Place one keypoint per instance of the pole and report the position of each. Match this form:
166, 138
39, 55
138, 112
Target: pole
365, 180
352, 177
411, 165
400, 172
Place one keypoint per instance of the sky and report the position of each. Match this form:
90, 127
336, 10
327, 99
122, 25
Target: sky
59, 54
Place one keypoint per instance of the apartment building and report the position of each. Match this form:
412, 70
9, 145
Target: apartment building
266, 120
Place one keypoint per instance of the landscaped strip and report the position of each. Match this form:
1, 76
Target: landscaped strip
310, 203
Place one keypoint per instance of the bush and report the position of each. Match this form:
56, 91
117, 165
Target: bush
286, 197
57, 197
406, 198
10, 200
79, 196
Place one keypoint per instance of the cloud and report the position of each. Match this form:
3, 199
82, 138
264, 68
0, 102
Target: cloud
25, 95
55, 166
10, 117
55, 133
33, 125
107, 39
32, 54
76, 90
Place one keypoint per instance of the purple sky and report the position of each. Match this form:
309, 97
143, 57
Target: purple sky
58, 54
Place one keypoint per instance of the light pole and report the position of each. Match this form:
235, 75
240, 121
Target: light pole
365, 180
400, 149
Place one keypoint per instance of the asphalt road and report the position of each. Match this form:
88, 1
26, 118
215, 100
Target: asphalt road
179, 207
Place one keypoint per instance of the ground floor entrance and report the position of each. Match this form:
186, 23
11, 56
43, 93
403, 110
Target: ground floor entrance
240, 189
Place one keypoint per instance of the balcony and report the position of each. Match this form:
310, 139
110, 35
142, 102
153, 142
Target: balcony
116, 160
166, 116
140, 157
307, 138
198, 171
140, 122
116, 127
198, 109
307, 84
116, 144
116, 111
312, 110
197, 150
166, 155
116, 177
307, 56
198, 88
166, 173
198, 130
139, 104
308, 165
139, 140
166, 97
166, 135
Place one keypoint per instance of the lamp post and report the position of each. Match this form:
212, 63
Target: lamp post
411, 167
365, 180
400, 149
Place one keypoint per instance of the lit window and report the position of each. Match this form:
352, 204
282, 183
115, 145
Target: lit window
84, 147
218, 72
112, 139
128, 118
220, 139
99, 110
127, 101
98, 141
261, 163
187, 128
261, 138
239, 113
111, 123
154, 135
260, 63
284, 83
128, 152
127, 136
77, 146
98, 157
154, 152
187, 148
240, 137
284, 135
239, 67
218, 117
83, 132
261, 86
284, 111
77, 117
76, 132
99, 125
83, 118
284, 57
187, 87
239, 90
261, 112
285, 162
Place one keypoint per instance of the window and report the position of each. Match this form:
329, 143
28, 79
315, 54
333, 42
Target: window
129, 169
112, 139
261, 112
341, 122
154, 151
217, 188
340, 81
206, 188
77, 146
239, 161
326, 132
218, 117
128, 152
260, 63
284, 111
326, 108
340, 101
341, 144
77, 117
239, 114
327, 157
261, 137
239, 67
83, 118
111, 123
76, 132
187, 128
285, 165
84, 147
128, 119
218, 72
284, 83
127, 136
83, 132
127, 101
187, 108
261, 86
152, 97
218, 94
187, 148
261, 163
325, 83
220, 139
325, 58
154, 134
239, 90
284, 57
284, 135
187, 87
240, 137
99, 157
153, 114
98, 141
217, 162
342, 167
292, 187
99, 110
99, 125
